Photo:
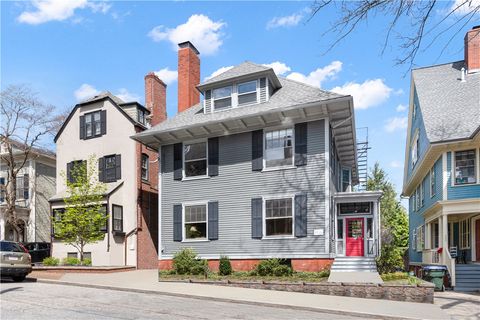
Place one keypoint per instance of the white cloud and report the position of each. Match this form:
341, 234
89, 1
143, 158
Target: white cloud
463, 7
85, 91
396, 123
217, 72
396, 164
279, 67
127, 96
316, 77
167, 76
285, 21
367, 94
58, 10
401, 107
199, 29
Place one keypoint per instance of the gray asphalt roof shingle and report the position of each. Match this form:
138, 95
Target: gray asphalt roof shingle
450, 108
242, 69
291, 93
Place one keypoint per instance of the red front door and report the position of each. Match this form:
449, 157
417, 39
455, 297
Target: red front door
477, 240
355, 237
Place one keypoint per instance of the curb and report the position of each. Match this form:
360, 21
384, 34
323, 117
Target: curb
265, 304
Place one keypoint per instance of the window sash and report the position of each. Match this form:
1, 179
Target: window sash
195, 165
465, 167
279, 217
145, 166
465, 234
432, 182
93, 126
279, 148
117, 218
247, 95
195, 222
110, 168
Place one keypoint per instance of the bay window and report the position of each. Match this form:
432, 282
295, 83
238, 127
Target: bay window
465, 172
279, 148
195, 159
279, 217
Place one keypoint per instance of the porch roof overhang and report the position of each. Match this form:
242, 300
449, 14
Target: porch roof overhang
339, 111
361, 196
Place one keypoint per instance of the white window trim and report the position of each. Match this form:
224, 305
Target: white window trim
264, 161
433, 182
234, 96
414, 147
422, 193
147, 169
264, 215
420, 238
205, 176
189, 204
454, 169
257, 91
226, 97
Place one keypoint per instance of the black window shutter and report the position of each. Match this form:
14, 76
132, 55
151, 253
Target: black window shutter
213, 156
301, 144
301, 215
213, 220
82, 127
69, 172
101, 169
118, 166
257, 150
177, 222
177, 161
257, 217
103, 122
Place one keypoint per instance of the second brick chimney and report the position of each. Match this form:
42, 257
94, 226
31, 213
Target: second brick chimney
188, 76
472, 49
155, 98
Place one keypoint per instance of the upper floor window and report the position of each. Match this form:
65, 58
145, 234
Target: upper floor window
422, 193
465, 167
279, 217
117, 218
110, 168
222, 98
93, 124
195, 159
76, 170
247, 92
145, 166
141, 116
433, 187
22, 187
279, 148
415, 151
2, 189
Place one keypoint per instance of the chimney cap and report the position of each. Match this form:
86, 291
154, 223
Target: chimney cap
476, 27
188, 44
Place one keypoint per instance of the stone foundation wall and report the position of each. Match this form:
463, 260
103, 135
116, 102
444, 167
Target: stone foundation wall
413, 293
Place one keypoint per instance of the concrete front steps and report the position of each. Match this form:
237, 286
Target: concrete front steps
354, 264
467, 277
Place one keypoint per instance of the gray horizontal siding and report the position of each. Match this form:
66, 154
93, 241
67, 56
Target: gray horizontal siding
234, 188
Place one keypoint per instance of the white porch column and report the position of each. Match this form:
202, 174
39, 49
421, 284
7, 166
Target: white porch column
428, 235
443, 241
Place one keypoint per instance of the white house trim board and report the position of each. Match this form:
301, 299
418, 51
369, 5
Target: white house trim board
445, 176
327, 185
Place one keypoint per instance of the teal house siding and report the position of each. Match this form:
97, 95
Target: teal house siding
458, 192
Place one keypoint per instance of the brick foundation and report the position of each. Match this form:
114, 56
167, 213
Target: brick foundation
306, 265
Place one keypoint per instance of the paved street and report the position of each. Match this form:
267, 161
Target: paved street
30, 300
461, 306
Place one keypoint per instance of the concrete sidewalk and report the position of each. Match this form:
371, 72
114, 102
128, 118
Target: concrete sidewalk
147, 281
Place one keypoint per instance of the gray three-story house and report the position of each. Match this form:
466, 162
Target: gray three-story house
262, 167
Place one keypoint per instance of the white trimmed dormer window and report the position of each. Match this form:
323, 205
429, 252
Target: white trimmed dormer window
247, 92
222, 98
414, 150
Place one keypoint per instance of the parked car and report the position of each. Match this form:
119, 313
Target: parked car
38, 250
15, 261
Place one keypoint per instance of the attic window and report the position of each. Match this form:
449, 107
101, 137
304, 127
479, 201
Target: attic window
247, 92
222, 98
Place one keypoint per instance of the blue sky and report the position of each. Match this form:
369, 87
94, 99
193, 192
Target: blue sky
66, 50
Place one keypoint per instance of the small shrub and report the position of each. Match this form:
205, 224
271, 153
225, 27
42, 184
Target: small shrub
394, 276
70, 261
200, 268
51, 261
184, 261
225, 267
272, 267
87, 262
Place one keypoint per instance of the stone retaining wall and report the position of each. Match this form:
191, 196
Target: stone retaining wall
412, 293
81, 269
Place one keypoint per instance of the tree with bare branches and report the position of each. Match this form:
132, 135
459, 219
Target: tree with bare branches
410, 22
26, 123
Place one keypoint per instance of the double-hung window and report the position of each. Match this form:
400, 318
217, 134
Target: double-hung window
117, 218
415, 151
93, 126
195, 222
145, 166
110, 168
465, 167
433, 187
279, 148
279, 217
422, 193
195, 159
247, 92
141, 116
222, 98
465, 234
420, 239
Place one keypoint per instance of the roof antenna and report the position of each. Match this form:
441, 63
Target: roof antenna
463, 74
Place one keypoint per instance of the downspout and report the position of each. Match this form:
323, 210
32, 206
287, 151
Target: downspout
108, 223
159, 188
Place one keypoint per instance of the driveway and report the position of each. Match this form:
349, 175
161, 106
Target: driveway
459, 305
43, 301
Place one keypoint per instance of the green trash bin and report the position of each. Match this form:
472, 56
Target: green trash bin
435, 275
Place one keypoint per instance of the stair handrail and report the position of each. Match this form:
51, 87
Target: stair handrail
450, 262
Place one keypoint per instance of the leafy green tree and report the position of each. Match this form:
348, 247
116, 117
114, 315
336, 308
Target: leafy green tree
84, 219
394, 228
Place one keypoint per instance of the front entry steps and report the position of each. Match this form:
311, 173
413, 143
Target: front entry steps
467, 277
354, 269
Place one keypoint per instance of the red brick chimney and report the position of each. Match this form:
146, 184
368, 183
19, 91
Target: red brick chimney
472, 49
155, 98
188, 76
